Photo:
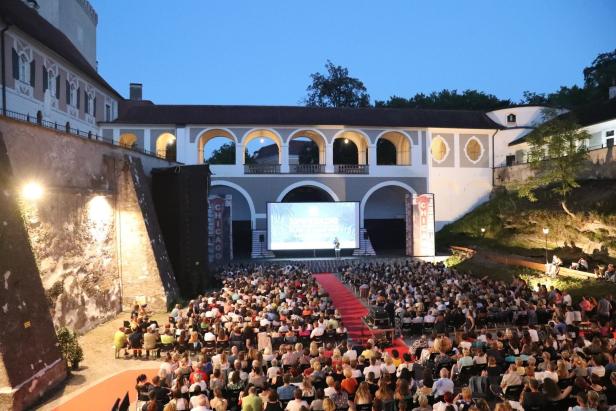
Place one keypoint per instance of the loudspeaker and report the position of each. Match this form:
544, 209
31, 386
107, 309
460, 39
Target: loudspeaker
261, 238
180, 198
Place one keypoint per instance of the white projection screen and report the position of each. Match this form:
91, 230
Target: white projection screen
312, 226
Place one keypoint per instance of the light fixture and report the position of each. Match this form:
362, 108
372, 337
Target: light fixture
483, 230
346, 141
546, 231
32, 191
261, 140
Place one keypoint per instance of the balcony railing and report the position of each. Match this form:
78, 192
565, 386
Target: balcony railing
351, 169
67, 128
261, 168
307, 168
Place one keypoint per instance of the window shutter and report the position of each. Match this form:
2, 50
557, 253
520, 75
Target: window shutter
68, 93
32, 72
78, 96
94, 107
15, 65
45, 79
58, 86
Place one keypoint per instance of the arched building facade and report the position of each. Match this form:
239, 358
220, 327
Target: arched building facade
374, 157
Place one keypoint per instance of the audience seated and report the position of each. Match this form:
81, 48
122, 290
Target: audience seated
270, 339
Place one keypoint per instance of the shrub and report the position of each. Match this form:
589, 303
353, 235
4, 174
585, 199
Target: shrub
69, 347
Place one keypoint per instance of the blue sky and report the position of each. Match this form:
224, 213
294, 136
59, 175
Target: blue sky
262, 52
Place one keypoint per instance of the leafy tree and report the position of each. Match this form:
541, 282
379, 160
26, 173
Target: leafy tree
569, 97
556, 154
598, 78
336, 89
601, 75
224, 154
447, 99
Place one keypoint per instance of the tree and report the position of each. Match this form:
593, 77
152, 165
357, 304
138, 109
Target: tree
224, 154
598, 78
336, 89
601, 75
556, 154
447, 99
569, 97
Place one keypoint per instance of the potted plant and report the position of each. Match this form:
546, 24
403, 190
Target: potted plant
69, 347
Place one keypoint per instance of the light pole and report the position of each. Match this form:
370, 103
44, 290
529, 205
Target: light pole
546, 231
483, 232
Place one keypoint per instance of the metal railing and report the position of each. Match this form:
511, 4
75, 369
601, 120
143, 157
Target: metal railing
307, 168
525, 156
66, 128
351, 169
261, 168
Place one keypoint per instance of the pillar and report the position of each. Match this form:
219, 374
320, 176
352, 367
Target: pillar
329, 157
284, 165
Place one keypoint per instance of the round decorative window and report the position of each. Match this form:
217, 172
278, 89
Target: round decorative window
439, 149
473, 150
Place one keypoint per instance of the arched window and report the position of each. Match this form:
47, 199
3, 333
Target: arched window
439, 149
473, 150
511, 118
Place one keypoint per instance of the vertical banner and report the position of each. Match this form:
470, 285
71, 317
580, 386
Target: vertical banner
408, 219
423, 225
220, 243
419, 219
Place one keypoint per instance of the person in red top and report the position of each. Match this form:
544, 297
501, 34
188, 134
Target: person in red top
198, 369
349, 384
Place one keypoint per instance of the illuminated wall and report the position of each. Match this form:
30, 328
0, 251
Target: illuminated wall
90, 225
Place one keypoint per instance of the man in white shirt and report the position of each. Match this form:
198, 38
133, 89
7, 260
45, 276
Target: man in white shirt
318, 331
373, 368
443, 384
296, 403
273, 370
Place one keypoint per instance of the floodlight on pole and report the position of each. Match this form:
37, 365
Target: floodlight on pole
546, 231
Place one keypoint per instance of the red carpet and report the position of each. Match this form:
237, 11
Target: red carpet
102, 395
351, 309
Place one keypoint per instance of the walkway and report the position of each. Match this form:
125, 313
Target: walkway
351, 309
101, 395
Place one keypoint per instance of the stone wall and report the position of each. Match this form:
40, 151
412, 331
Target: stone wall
92, 241
30, 362
601, 166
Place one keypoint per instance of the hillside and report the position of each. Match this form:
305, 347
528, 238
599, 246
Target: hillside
514, 225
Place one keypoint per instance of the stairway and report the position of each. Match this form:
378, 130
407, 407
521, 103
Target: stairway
259, 248
365, 245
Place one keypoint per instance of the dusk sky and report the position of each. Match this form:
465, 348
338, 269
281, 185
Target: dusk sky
262, 52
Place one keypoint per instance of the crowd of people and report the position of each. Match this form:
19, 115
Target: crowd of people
270, 339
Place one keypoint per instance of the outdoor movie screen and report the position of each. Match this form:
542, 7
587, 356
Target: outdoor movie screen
312, 226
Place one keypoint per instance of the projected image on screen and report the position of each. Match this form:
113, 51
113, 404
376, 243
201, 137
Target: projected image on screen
312, 226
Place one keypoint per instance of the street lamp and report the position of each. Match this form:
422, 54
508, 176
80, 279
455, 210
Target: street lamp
483, 232
546, 231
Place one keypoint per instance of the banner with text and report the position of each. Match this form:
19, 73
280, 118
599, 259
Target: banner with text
220, 241
420, 225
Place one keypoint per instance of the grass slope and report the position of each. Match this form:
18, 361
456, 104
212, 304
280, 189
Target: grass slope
514, 225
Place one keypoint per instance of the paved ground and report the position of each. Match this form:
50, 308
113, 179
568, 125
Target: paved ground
99, 361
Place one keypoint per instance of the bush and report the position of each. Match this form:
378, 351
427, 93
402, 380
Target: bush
69, 347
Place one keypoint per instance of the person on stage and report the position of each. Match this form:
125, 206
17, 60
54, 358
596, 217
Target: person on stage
337, 247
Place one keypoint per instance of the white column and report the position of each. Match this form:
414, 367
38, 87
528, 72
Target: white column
329, 157
147, 139
372, 157
186, 152
284, 165
239, 154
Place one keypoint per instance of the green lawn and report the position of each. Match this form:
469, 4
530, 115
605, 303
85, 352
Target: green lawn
576, 287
